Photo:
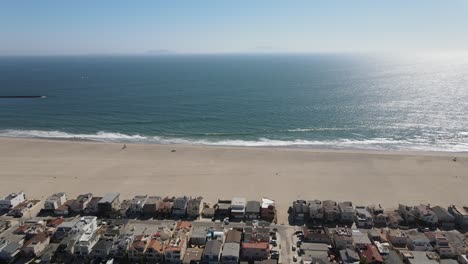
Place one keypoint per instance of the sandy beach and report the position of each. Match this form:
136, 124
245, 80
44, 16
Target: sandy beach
41, 167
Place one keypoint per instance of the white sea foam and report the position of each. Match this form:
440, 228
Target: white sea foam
415, 144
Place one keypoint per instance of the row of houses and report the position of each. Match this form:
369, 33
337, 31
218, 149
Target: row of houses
16, 204
110, 205
332, 212
85, 238
239, 208
383, 245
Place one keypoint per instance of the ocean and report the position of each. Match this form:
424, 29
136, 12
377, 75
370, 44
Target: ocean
331, 101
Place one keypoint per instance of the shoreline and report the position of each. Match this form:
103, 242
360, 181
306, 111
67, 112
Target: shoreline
307, 148
41, 167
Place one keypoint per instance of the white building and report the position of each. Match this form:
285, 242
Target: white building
76, 226
137, 203
87, 241
55, 201
238, 207
12, 200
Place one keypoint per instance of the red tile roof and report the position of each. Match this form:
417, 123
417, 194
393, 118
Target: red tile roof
372, 255
256, 245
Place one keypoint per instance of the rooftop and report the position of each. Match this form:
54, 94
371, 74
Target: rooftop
110, 197
231, 249
267, 202
255, 245
252, 207
212, 247
372, 254
192, 254
55, 196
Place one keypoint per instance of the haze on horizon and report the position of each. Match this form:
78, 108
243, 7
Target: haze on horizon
165, 27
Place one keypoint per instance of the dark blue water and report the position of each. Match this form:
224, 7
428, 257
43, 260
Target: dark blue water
331, 101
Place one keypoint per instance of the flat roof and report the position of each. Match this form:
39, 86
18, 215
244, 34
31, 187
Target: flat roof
109, 197
238, 201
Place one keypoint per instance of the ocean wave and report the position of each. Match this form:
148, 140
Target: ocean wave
414, 144
319, 129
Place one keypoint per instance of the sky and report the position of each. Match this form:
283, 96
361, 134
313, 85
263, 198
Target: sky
50, 27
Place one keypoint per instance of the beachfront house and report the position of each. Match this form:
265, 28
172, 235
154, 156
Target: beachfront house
238, 207
150, 208
300, 212
461, 215
12, 200
136, 204
193, 207
179, 208
331, 211
64, 210
315, 211
55, 201
223, 208
394, 219
425, 215
408, 213
445, 218
81, 202
109, 204
92, 207
363, 217
268, 210
22, 208
346, 212
212, 252
165, 207
252, 210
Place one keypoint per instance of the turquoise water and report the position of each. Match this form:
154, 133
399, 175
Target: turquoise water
321, 101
